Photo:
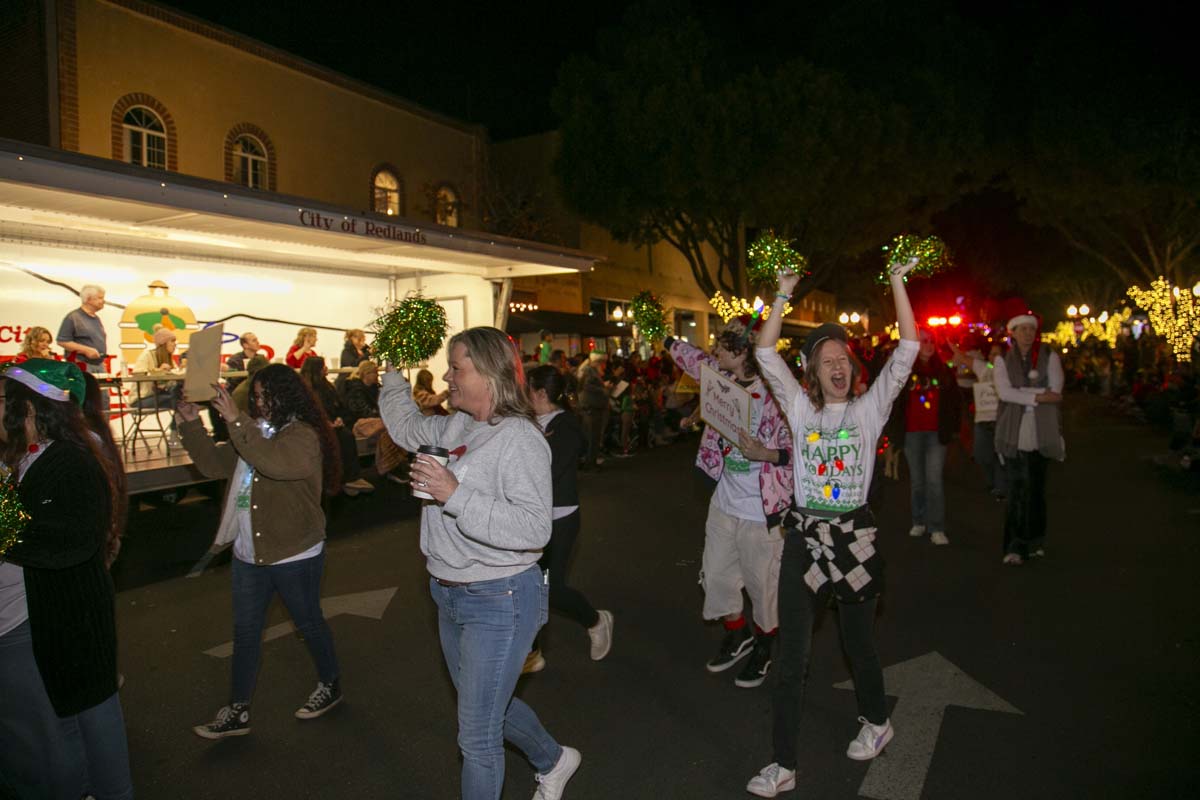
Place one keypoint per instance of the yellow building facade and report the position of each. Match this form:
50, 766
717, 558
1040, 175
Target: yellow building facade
143, 84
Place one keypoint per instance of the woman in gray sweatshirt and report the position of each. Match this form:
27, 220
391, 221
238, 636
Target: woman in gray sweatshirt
481, 536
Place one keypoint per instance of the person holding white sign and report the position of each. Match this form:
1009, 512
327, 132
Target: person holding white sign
742, 545
829, 535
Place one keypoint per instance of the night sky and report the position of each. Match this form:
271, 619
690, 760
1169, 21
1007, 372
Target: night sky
496, 63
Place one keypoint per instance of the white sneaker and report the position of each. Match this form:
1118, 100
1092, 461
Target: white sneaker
772, 780
601, 635
871, 740
937, 537
916, 530
551, 785
1013, 560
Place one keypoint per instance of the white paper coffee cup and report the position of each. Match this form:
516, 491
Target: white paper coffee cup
438, 454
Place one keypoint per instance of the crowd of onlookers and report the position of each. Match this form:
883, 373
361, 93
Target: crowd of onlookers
625, 403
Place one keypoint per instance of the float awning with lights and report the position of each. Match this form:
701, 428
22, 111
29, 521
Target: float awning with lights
53, 198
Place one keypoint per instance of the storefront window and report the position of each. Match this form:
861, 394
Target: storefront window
386, 193
252, 162
145, 138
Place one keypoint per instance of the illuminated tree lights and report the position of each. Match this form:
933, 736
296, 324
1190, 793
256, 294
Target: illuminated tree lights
649, 316
1174, 314
738, 307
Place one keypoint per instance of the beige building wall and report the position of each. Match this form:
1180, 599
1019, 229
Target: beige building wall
328, 138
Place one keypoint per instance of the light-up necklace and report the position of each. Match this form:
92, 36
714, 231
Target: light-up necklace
832, 489
925, 387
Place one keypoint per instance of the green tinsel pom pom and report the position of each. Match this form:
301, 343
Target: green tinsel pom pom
769, 256
410, 331
649, 316
13, 516
931, 253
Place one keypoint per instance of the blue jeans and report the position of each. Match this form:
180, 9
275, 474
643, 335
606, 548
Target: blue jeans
299, 585
926, 460
45, 756
986, 458
487, 629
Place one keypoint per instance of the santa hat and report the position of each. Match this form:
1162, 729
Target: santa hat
57, 380
1027, 317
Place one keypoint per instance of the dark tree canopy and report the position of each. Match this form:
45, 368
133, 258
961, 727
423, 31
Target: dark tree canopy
663, 139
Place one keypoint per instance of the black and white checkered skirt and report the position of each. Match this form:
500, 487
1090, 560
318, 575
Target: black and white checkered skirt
841, 554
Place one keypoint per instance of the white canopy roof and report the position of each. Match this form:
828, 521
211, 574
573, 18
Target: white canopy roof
49, 197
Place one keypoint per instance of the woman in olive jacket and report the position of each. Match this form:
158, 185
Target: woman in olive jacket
278, 460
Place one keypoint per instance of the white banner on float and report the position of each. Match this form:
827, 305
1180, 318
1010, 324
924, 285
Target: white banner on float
39, 286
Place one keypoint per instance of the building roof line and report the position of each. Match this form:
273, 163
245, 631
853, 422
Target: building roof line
248, 44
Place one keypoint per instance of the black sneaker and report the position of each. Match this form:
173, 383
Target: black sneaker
734, 647
755, 671
232, 720
323, 698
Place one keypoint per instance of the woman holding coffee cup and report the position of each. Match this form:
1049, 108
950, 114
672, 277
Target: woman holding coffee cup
482, 532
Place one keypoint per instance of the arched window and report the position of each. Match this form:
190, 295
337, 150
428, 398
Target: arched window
251, 157
145, 138
447, 206
385, 193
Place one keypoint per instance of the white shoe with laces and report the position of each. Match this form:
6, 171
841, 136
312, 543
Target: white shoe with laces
871, 740
937, 537
916, 530
772, 780
552, 784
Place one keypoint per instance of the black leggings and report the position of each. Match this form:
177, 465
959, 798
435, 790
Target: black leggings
798, 608
563, 598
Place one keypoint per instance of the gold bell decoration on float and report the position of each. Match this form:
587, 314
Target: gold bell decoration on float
144, 313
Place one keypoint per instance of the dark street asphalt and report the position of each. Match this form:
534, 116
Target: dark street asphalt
1095, 646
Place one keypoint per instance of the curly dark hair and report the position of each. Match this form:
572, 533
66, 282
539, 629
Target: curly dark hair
59, 420
738, 342
286, 398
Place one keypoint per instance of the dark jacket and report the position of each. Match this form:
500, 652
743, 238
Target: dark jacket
350, 356
567, 443
360, 401
72, 619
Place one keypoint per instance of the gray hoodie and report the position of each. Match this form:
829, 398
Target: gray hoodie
498, 519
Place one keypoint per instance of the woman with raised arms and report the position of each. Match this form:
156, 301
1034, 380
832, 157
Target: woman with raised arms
829, 535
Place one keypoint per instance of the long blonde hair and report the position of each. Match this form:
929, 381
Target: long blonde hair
498, 361
366, 365
303, 334
34, 333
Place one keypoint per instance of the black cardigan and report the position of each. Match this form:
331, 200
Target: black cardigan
68, 591
567, 441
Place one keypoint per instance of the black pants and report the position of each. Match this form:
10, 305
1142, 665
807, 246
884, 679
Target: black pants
1025, 520
798, 608
595, 421
348, 449
563, 598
